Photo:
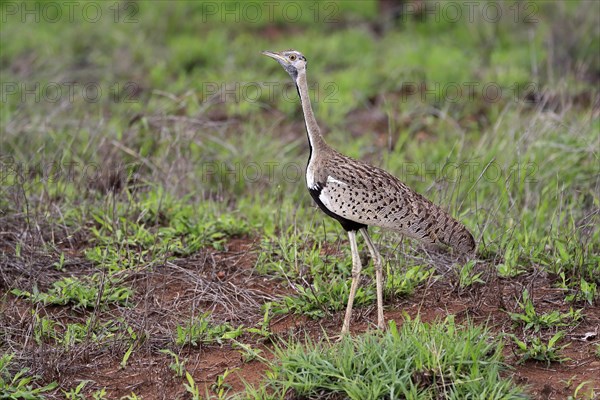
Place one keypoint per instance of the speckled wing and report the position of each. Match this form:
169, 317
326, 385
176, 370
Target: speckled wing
368, 195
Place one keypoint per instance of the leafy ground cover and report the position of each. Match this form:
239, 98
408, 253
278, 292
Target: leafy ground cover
157, 241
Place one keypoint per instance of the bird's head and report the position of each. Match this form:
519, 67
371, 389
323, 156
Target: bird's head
291, 60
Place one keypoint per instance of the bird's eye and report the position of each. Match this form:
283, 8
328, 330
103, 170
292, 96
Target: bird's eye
292, 57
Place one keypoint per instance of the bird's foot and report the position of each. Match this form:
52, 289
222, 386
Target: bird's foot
338, 338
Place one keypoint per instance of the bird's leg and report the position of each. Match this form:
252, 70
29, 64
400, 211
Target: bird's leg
377, 261
356, 267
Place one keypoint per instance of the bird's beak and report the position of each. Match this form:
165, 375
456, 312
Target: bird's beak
275, 56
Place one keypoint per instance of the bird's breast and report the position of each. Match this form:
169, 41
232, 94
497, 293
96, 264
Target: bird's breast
310, 178
335, 194
310, 172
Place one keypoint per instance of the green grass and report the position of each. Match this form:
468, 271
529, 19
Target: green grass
197, 140
20, 384
417, 360
536, 348
201, 330
321, 283
80, 293
531, 319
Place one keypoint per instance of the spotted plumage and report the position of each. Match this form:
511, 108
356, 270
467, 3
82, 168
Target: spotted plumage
368, 195
359, 195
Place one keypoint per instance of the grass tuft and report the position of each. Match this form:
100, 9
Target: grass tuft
417, 360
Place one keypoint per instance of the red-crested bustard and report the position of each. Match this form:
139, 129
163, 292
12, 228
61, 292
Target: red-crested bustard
358, 195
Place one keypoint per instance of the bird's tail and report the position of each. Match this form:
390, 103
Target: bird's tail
436, 226
454, 234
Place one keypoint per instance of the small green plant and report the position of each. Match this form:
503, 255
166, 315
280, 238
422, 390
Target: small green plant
99, 394
220, 387
43, 328
191, 387
584, 292
75, 332
177, 366
263, 326
537, 349
79, 292
76, 392
201, 330
577, 395
132, 342
21, 385
248, 352
510, 267
466, 277
587, 292
532, 320
60, 264
399, 283
580, 391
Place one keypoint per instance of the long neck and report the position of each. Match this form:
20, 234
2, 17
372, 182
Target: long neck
315, 139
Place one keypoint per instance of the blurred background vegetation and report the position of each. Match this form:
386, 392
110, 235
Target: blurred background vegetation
174, 99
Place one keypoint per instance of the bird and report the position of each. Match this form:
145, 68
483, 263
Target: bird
359, 195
